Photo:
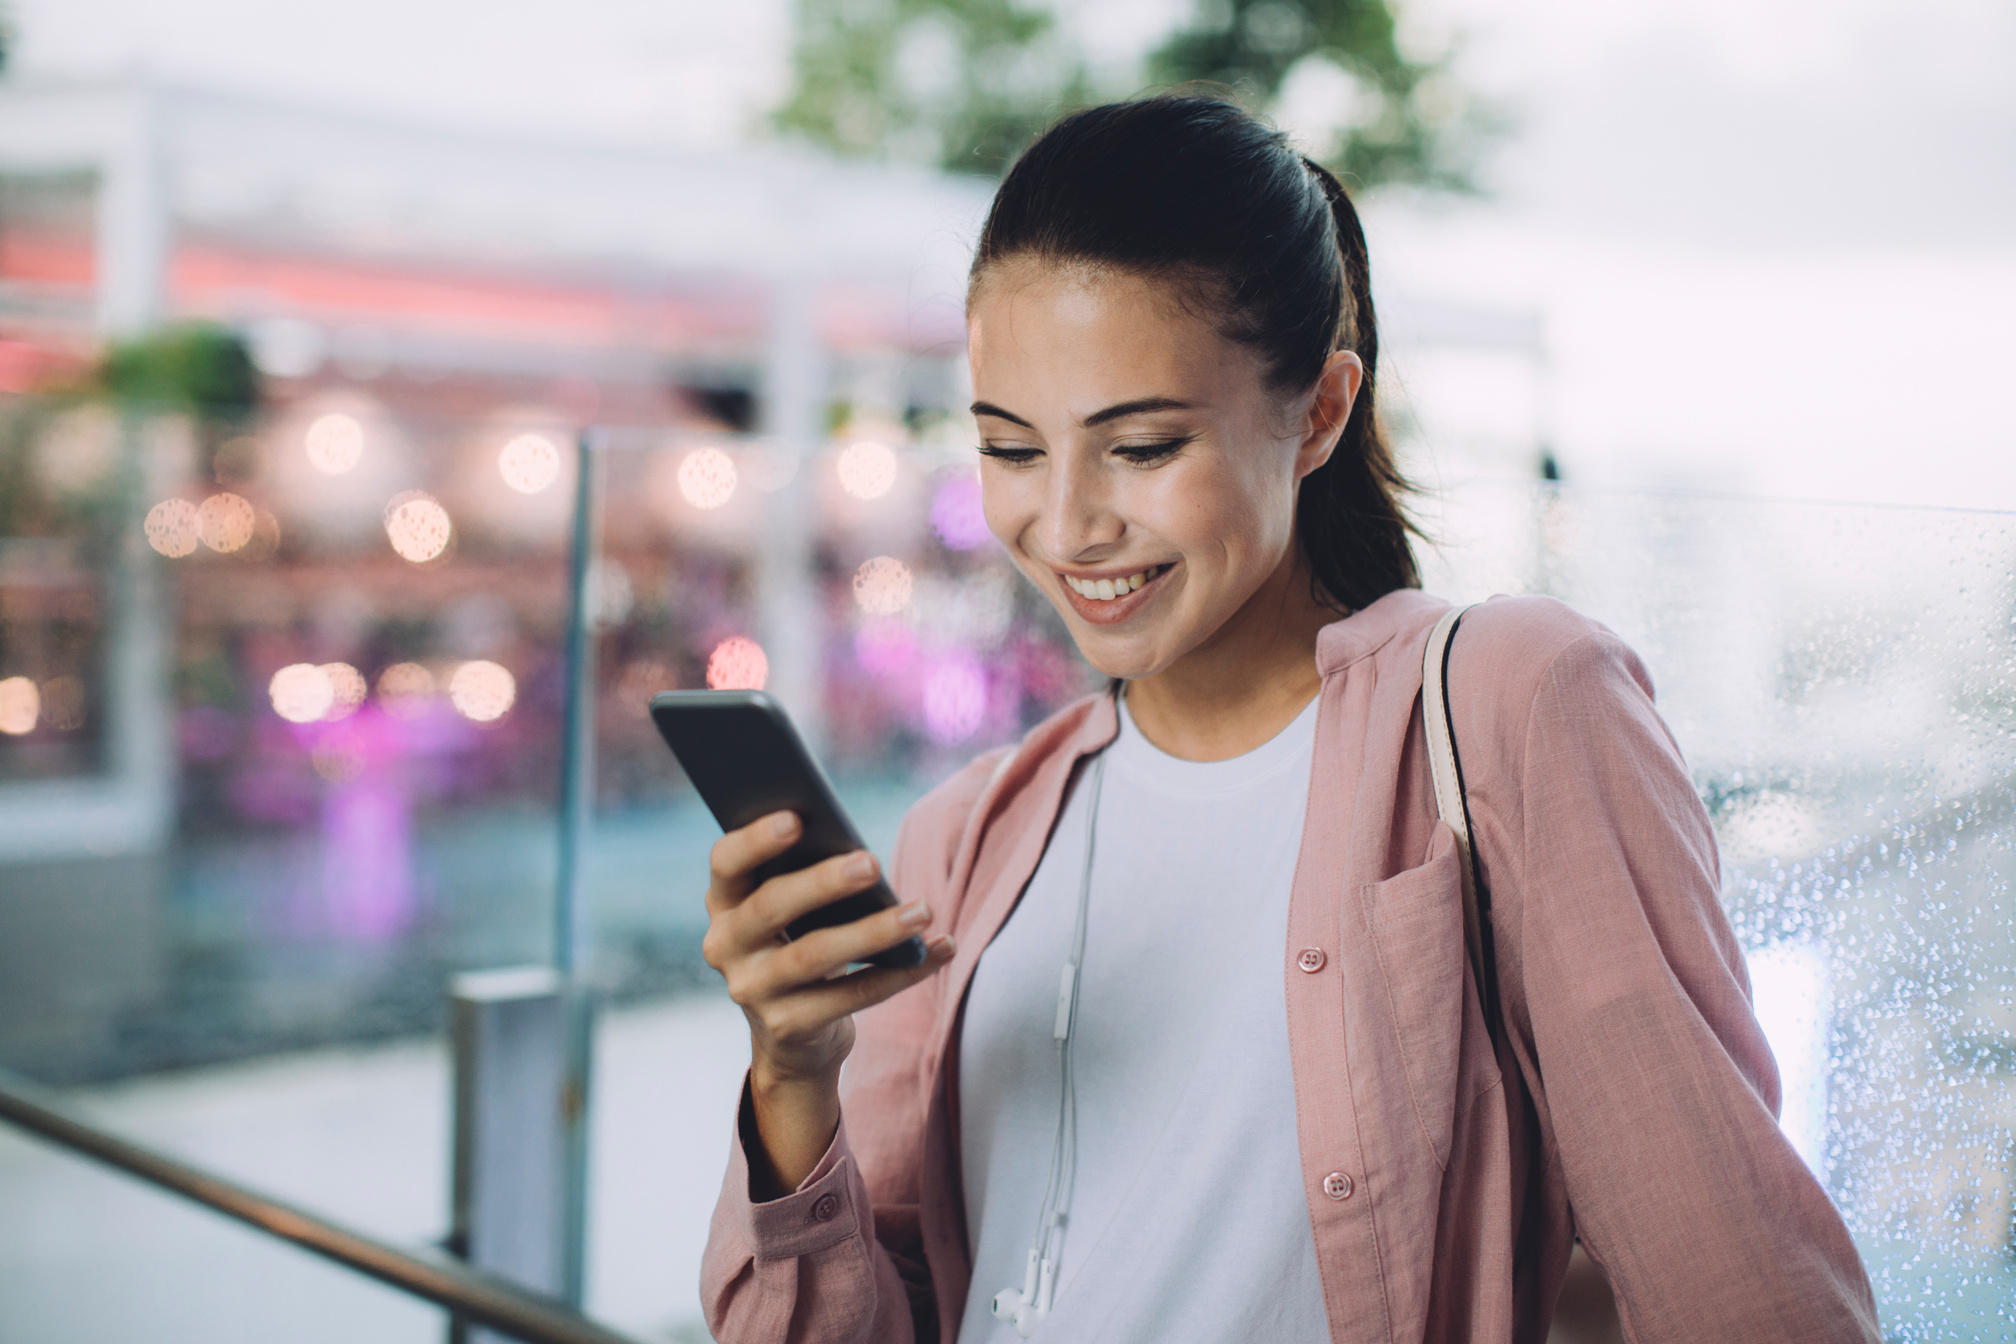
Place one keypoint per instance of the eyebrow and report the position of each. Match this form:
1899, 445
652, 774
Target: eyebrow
1117, 411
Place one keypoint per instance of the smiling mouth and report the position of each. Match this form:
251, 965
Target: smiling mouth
1108, 590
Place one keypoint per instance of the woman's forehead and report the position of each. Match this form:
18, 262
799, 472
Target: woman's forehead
1052, 322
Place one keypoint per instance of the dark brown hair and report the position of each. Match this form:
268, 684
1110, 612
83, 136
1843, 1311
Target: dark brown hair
1195, 190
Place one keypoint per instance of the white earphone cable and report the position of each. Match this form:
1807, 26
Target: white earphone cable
1029, 1305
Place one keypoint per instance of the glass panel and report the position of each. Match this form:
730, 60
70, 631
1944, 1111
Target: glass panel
280, 703
1842, 680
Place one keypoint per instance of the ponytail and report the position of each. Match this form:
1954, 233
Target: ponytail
1350, 517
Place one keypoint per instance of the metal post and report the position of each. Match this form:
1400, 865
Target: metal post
510, 1031
577, 802
524, 1038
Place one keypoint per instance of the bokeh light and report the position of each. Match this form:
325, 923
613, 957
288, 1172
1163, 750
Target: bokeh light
301, 692
482, 691
882, 586
956, 514
20, 706
885, 647
224, 522
335, 442
955, 698
404, 690
347, 684
78, 448
529, 463
172, 527
707, 478
867, 470
737, 664
417, 526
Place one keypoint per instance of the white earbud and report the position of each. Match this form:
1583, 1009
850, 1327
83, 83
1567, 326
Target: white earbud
1019, 1304
1009, 1306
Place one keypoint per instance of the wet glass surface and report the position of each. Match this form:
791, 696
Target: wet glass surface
1842, 680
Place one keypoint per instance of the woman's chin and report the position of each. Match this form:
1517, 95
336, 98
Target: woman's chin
1128, 657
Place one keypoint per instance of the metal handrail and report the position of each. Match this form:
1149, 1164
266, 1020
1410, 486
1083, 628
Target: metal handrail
477, 1297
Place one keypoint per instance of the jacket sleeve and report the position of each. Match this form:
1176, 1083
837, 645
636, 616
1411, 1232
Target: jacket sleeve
1653, 1075
803, 1268
840, 1259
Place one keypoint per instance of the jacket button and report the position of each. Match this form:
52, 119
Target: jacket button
826, 1206
1337, 1185
1311, 959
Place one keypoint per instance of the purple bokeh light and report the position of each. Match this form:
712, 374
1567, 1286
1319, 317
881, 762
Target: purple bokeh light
955, 696
885, 648
367, 863
956, 513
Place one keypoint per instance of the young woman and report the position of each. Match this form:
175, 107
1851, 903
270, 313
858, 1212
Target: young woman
1277, 1111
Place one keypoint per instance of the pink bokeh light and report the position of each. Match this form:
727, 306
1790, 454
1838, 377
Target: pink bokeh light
737, 664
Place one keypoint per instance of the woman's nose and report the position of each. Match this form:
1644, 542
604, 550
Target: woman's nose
1079, 516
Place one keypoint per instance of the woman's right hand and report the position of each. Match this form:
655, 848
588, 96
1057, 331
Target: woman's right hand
796, 993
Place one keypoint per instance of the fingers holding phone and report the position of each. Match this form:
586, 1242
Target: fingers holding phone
793, 900
797, 992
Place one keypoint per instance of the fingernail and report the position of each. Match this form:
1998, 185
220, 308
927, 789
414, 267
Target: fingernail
860, 867
948, 945
914, 915
783, 824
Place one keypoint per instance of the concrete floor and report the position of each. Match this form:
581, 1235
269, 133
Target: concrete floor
89, 1255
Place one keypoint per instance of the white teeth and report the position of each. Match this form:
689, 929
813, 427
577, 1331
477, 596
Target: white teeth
1105, 590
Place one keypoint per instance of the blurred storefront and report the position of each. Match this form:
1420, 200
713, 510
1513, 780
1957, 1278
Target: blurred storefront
203, 857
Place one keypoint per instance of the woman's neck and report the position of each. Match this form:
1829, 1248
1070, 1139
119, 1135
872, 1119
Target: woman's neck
1247, 682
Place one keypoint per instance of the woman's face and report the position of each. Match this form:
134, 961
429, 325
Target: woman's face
1134, 461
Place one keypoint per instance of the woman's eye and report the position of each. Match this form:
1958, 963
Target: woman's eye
1147, 453
1009, 453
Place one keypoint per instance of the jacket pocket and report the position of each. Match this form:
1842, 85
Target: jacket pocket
1416, 919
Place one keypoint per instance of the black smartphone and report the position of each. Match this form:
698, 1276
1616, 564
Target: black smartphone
747, 761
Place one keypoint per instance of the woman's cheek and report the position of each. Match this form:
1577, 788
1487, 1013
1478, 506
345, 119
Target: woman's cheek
1001, 508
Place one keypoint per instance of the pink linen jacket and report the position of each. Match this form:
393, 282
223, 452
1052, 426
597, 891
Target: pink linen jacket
1633, 1084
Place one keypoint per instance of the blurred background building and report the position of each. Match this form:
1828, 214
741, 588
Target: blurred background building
301, 314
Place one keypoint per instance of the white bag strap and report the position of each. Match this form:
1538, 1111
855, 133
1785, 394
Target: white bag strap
1454, 809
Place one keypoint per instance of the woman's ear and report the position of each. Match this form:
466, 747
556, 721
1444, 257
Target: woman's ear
1330, 403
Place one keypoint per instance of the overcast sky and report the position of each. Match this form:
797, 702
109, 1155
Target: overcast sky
1771, 239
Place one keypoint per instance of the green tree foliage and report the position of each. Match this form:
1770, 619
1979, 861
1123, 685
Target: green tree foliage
963, 83
966, 83
197, 367
1380, 117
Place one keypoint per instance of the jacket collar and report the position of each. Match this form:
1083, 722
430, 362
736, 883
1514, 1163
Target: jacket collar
1362, 633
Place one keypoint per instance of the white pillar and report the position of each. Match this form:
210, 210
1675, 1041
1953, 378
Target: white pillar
789, 621
135, 220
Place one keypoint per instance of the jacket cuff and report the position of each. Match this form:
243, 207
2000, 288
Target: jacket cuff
820, 1213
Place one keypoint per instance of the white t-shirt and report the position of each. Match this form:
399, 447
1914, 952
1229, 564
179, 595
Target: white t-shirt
1187, 1220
